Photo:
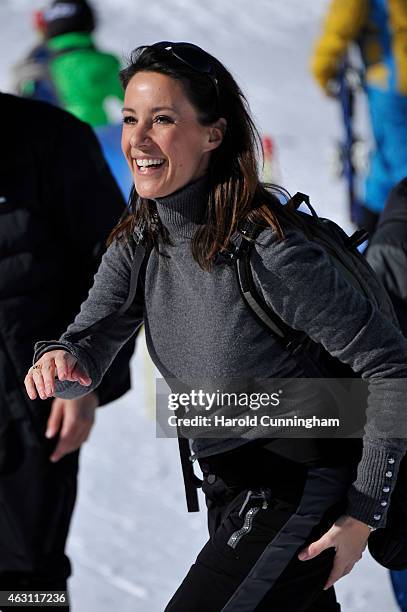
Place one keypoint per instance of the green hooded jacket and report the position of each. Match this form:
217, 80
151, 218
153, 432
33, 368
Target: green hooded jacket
84, 78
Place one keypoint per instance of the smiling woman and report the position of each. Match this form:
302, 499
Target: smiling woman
185, 117
280, 512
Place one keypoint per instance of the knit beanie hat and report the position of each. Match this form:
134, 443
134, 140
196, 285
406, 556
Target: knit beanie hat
64, 16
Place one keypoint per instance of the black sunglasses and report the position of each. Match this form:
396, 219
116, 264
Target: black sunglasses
192, 56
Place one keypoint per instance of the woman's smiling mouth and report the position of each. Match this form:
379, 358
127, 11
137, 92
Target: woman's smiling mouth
148, 165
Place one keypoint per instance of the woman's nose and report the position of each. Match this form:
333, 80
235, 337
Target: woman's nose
139, 135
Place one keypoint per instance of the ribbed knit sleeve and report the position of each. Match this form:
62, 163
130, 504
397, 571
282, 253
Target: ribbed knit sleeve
96, 352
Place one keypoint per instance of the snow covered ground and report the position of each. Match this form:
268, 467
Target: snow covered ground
132, 540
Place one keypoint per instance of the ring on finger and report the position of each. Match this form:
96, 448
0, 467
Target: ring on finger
36, 367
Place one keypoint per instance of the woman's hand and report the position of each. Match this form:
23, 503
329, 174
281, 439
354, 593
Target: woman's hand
349, 538
73, 420
60, 364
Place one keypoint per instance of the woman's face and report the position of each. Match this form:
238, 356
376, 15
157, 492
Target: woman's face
164, 144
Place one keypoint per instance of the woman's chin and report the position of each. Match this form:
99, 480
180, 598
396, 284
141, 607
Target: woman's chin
151, 194
147, 191
151, 191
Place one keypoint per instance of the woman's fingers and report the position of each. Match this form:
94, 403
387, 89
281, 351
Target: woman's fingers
69, 369
36, 373
64, 363
316, 548
339, 570
58, 364
349, 538
30, 386
42, 374
48, 374
41, 377
80, 375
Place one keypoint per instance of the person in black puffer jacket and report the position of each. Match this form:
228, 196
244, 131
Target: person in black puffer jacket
387, 254
58, 204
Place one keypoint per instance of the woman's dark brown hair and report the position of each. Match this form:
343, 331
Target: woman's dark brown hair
235, 192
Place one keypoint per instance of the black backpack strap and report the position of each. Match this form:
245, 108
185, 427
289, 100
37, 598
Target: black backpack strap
301, 198
141, 255
356, 239
253, 300
289, 338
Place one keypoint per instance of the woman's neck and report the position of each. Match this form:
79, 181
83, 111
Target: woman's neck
184, 210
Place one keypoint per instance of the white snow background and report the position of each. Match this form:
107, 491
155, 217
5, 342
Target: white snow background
132, 540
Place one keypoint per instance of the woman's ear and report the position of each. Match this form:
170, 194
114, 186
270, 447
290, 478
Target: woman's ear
216, 133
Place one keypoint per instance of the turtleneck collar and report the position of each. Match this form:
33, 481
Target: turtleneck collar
184, 210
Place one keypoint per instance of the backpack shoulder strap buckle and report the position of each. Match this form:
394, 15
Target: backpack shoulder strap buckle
239, 244
229, 254
249, 230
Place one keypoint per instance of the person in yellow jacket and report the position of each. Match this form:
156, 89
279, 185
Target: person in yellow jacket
379, 29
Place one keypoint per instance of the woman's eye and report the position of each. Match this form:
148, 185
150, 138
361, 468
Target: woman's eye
163, 119
129, 120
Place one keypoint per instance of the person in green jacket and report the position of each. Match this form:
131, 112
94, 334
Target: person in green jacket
67, 69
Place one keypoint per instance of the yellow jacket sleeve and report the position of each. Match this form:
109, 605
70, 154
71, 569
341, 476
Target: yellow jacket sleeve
343, 23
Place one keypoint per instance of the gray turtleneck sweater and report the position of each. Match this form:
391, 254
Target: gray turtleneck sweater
197, 326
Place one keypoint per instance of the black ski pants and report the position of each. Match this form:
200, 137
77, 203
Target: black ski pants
262, 510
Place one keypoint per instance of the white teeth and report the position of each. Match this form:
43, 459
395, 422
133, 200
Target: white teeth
143, 163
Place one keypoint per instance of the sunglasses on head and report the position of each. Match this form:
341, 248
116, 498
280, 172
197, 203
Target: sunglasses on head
192, 56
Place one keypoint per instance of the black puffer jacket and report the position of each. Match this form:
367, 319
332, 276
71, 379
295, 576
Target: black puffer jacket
58, 203
387, 252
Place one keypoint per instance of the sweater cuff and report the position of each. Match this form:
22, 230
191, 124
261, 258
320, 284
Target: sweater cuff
369, 495
44, 346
